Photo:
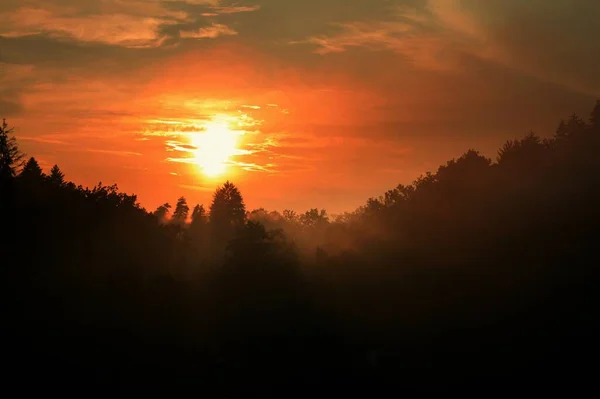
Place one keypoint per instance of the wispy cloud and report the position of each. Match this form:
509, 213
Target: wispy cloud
253, 167
210, 32
444, 34
416, 34
116, 29
125, 23
174, 145
191, 161
233, 9
538, 38
197, 188
114, 152
44, 140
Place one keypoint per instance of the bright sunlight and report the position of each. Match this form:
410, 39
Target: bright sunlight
214, 148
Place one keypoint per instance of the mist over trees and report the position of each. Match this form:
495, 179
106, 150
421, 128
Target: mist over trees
482, 275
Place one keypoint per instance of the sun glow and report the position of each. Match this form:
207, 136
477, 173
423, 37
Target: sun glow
214, 148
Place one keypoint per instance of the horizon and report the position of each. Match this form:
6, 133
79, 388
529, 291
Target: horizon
335, 103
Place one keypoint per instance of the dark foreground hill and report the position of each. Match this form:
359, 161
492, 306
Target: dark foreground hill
479, 278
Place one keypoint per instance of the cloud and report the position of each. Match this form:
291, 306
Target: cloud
13, 79
174, 145
44, 140
191, 161
426, 36
548, 40
197, 188
233, 9
211, 32
115, 29
211, 7
253, 167
114, 152
125, 23
424, 49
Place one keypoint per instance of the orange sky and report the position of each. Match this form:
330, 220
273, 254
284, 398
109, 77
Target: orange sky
330, 101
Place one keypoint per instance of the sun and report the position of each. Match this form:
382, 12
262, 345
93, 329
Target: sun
215, 146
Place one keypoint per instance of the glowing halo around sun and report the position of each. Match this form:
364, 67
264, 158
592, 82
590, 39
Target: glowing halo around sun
215, 146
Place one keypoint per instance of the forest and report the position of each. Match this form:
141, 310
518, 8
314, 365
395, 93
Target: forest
479, 277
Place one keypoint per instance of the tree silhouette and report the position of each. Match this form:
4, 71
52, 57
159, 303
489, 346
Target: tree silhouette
314, 218
594, 128
162, 212
562, 132
595, 118
471, 162
252, 244
575, 128
56, 177
10, 155
228, 205
524, 152
227, 213
31, 171
270, 220
180, 214
198, 215
32, 177
290, 215
199, 221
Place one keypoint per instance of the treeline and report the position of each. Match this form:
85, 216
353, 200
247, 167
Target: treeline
482, 274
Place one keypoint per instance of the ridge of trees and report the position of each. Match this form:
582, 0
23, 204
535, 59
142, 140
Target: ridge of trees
482, 273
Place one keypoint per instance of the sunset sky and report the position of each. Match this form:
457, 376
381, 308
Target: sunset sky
301, 103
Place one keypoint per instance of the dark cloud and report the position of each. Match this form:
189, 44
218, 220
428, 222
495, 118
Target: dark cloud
557, 40
47, 52
279, 22
551, 40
